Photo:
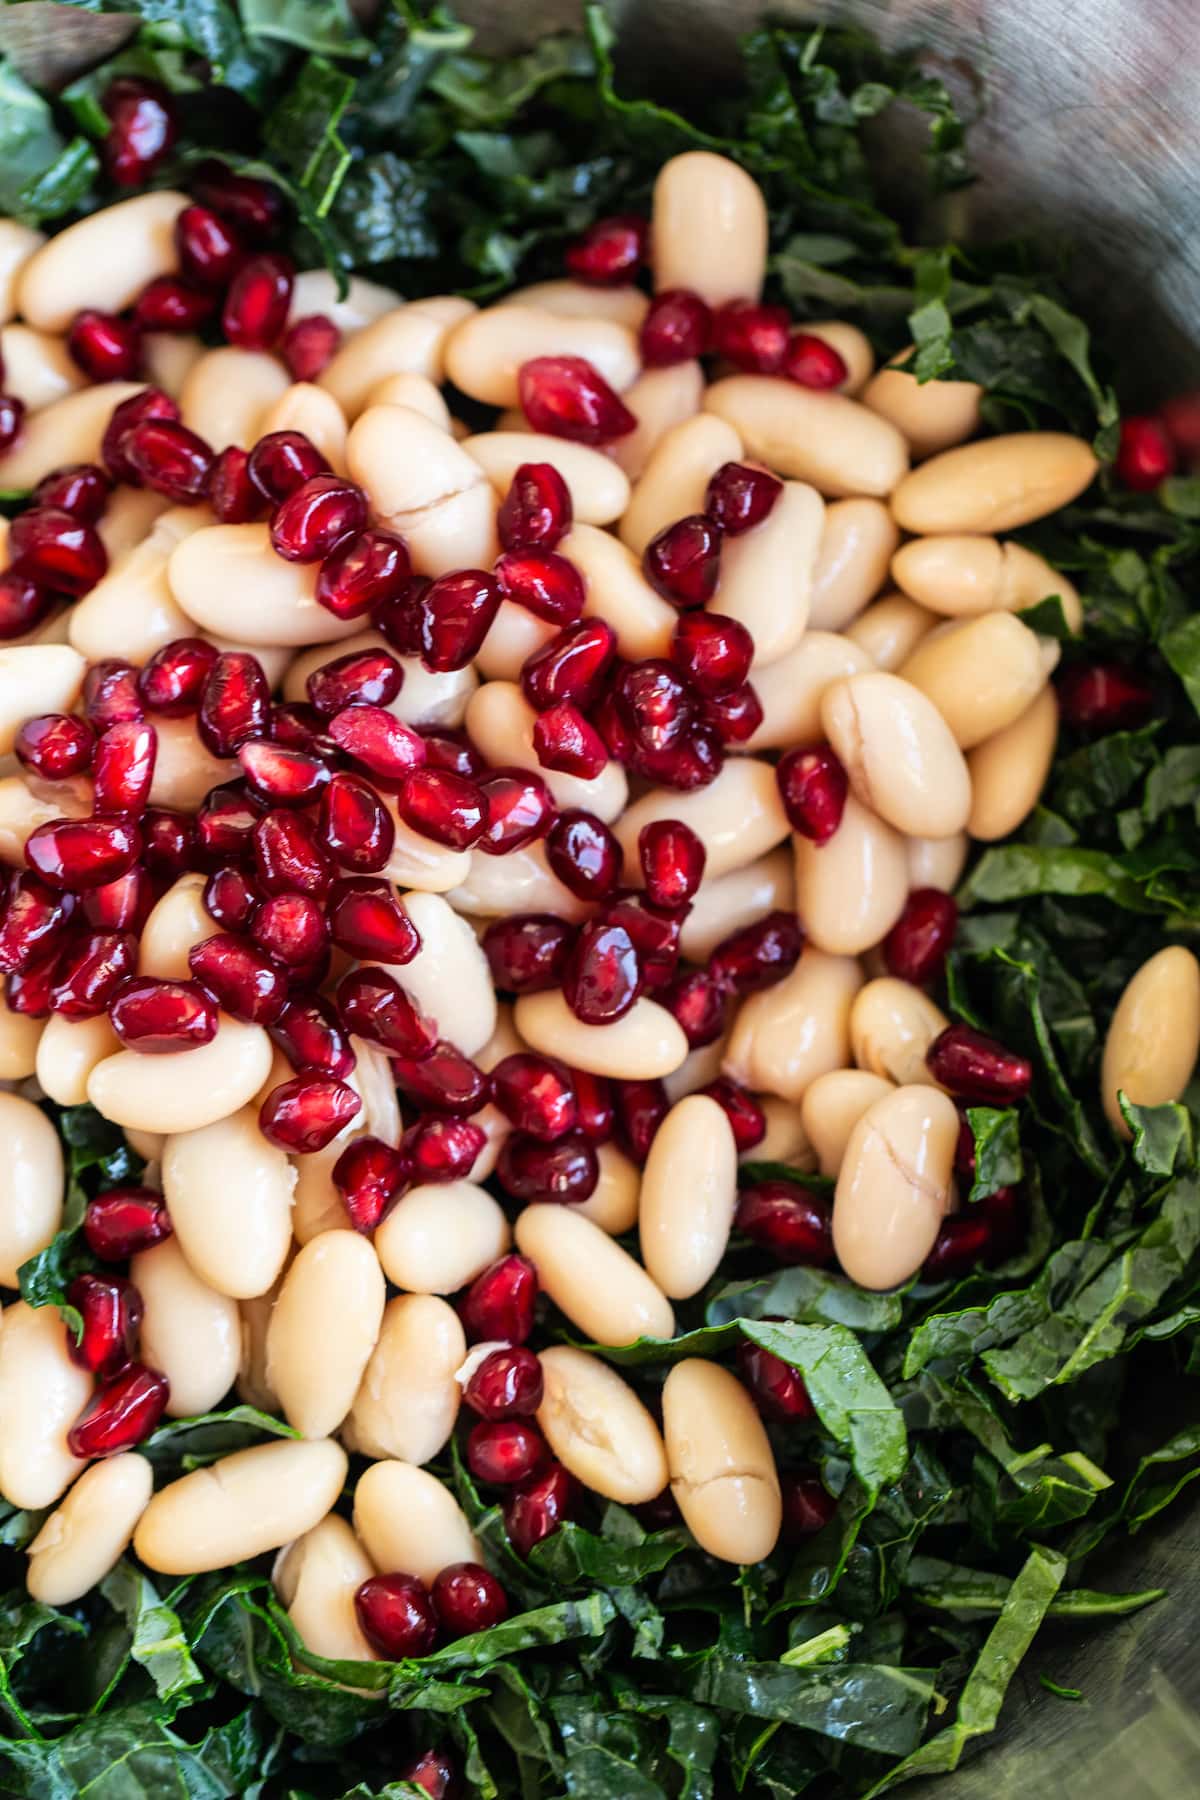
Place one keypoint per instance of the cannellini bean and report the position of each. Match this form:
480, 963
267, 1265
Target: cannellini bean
212, 571
513, 637
417, 862
449, 977
790, 690
417, 391
485, 352
643, 1044
168, 358
933, 415
689, 1193
33, 1185
619, 593
252, 1384
894, 1187
407, 1519
723, 1473
104, 260
228, 391
408, 340
408, 1398
738, 817
598, 1428
20, 1043
323, 1329
675, 479
957, 575
599, 1286
441, 1236
316, 1578
599, 489
785, 1140
38, 368
832, 1107
898, 752
42, 1393
892, 1024
823, 438
316, 1204
981, 673
1009, 769
500, 721
767, 574
229, 1193
36, 678
522, 881
658, 399
316, 291
851, 890
613, 1203
1154, 1037
700, 1067
185, 768
624, 305
146, 1144
890, 630
852, 345
995, 484
937, 862
255, 1500
84, 1537
425, 486
189, 1331
67, 431
786, 1036
504, 1040
146, 1092
175, 923
25, 805
131, 612
857, 542
709, 228
127, 519
311, 409
17, 244
739, 898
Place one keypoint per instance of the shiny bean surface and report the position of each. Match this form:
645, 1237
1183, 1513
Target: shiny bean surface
723, 1473
599, 1286
893, 1189
689, 1193
598, 1428
255, 1500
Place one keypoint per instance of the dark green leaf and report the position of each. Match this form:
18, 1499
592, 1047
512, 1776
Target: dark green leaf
157, 1638
850, 1400
997, 1135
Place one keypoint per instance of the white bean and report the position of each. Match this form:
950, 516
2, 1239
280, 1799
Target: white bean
229, 1193
613, 1203
937, 862
598, 1428
190, 1332
739, 898
981, 673
316, 291
823, 438
409, 1521
738, 817
17, 244
323, 1329
960, 575
700, 1067
38, 368
185, 769
890, 630
1009, 769
20, 1042
158, 1093
441, 1236
522, 881
417, 391
168, 358
689, 1193
36, 678
852, 345
85, 1536
599, 489
933, 415
449, 977
892, 1024
831, 1108
625, 305
485, 353
1154, 1037
316, 1578
24, 805
643, 1044
255, 1316
618, 592
898, 752
174, 925
857, 543
513, 637
425, 486
709, 228
786, 1036
33, 1184
426, 698
675, 479
500, 721
227, 392
42, 1393
310, 409
790, 690
995, 484
894, 1186
599, 1286
723, 1473
128, 518
767, 573
407, 340
408, 1398
67, 431
785, 1139
417, 861
131, 612
103, 261
658, 399
255, 1500
851, 890
213, 570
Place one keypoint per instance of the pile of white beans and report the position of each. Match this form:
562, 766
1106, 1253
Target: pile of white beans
881, 593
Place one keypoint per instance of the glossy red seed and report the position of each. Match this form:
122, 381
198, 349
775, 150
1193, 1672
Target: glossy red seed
683, 563
808, 1505
208, 247
319, 516
169, 304
539, 1507
1145, 453
564, 741
256, 304
812, 363
292, 929
639, 1109
303, 1115
56, 549
374, 1006
398, 617
776, 1388
253, 205
609, 251
240, 977
354, 825
123, 905
440, 1148
499, 1304
168, 458
434, 1772
235, 704
535, 1094
35, 919
369, 1175
467, 1598
110, 694
225, 823
506, 1384
697, 1003
502, 1452
1007, 1218
654, 931
27, 990
231, 493
537, 509
544, 583
977, 1068
960, 1244
751, 336
713, 652
310, 1035
282, 776
527, 951
678, 327
24, 603
123, 768
142, 129
916, 947
120, 1414
299, 726
159, 1018
79, 488
369, 569
378, 740
1101, 697
813, 786
361, 678
111, 1310
584, 853
55, 745
12, 418
455, 614
447, 808
572, 666
367, 921
125, 1220
656, 704
593, 1106
672, 861
282, 462
758, 955
308, 345
790, 1221
82, 853
519, 807
288, 857
601, 979
90, 970
568, 398
444, 1081
105, 347
396, 1616
231, 897
736, 715
172, 681
148, 403
739, 497
746, 1117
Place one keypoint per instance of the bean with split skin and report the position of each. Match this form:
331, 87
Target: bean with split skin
894, 1186
598, 1428
723, 1475
86, 1536
255, 1500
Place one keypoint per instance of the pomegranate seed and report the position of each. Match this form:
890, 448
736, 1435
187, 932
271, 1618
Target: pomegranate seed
79, 488
120, 1414
378, 740
519, 808
1007, 1222
311, 1037
82, 853
55, 548
678, 327
527, 951
505, 1451
751, 336
161, 1017
537, 509
584, 854
565, 741
808, 1506
366, 920
256, 304
231, 897
506, 1384
374, 1006
566, 397
398, 616
298, 726
90, 970
691, 762
308, 345
110, 695
142, 130
355, 826
225, 822
536, 1094
363, 678
655, 935
55, 745
209, 250
745, 1115
254, 206
454, 616
168, 458
601, 979
739, 497
572, 666
977, 1068
12, 418
776, 1388
812, 785
284, 777
235, 704
105, 347
169, 304
697, 1003
960, 1244
443, 1149
242, 980
396, 1616
713, 653
366, 570
812, 363
122, 905
303, 1115
758, 955
444, 1081
111, 1310
539, 1507
499, 1304
292, 929
672, 860
368, 1175
544, 583
1100, 697
319, 516
27, 991
1145, 454
610, 251
287, 856
149, 403
639, 1109
593, 1106
736, 715
123, 765
790, 1221
434, 1772
23, 604
467, 1598
281, 463
916, 947
173, 680
444, 807
35, 918
684, 561
654, 702
123, 1221
231, 493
